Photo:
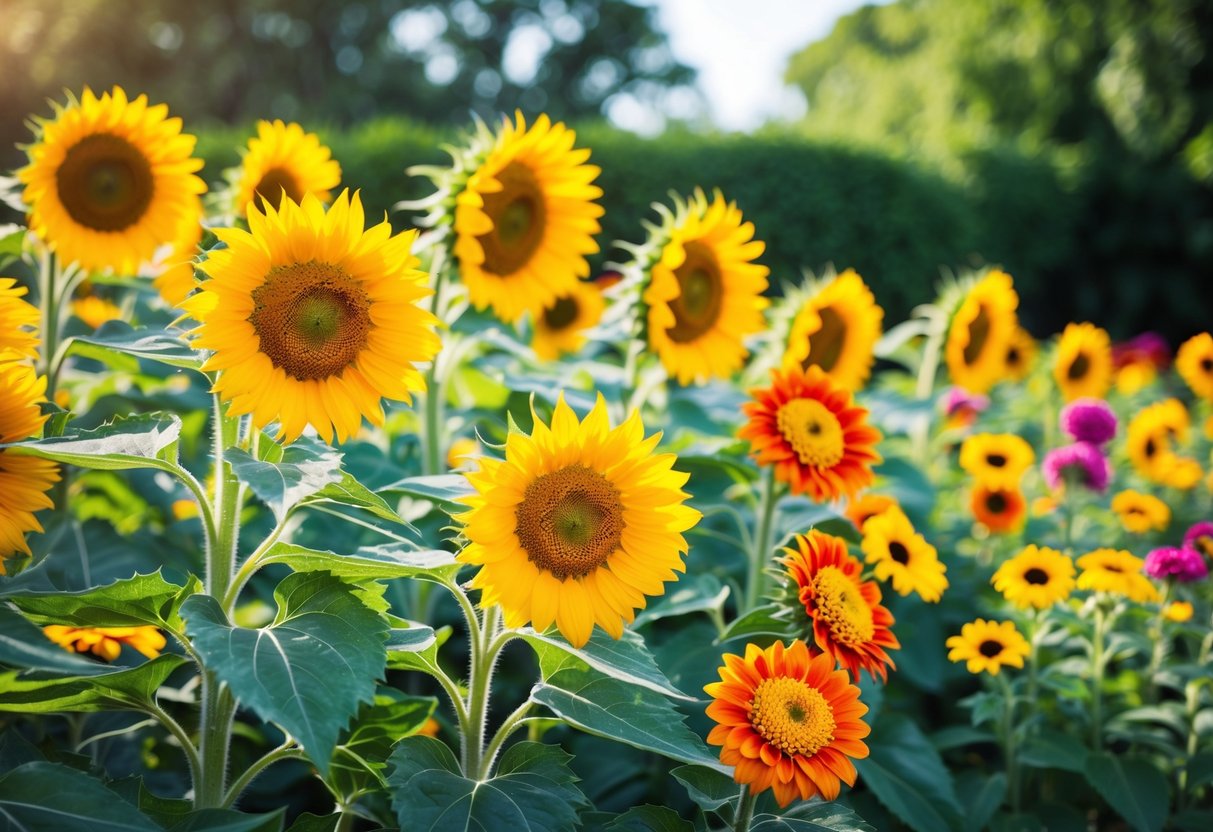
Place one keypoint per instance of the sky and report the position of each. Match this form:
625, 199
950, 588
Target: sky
741, 48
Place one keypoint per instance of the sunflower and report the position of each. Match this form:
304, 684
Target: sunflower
1083, 366
787, 721
24, 480
283, 159
997, 460
176, 279
1037, 577
1150, 438
577, 525
106, 642
560, 327
1178, 611
901, 555
95, 311
18, 322
312, 319
1140, 513
981, 332
986, 646
525, 219
862, 509
998, 509
1117, 572
1021, 354
837, 330
110, 180
1194, 361
848, 621
807, 427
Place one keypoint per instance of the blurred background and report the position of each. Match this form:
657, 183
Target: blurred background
1069, 141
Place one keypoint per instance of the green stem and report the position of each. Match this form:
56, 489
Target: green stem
48, 273
250, 566
924, 388
479, 691
287, 751
511, 723
187, 745
745, 809
1191, 709
1008, 741
761, 553
1036, 633
228, 494
215, 733
1097, 669
1157, 634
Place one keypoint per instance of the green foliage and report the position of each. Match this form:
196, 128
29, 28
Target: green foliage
49, 797
1135, 789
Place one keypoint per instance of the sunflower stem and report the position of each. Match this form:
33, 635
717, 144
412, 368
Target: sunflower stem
1097, 669
479, 690
745, 809
1008, 741
756, 580
1159, 649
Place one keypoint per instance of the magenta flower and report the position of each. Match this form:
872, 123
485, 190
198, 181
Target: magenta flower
1089, 420
957, 399
1200, 538
1181, 564
1081, 462
1149, 346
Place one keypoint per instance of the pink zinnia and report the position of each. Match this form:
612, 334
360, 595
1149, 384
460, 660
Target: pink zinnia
1089, 420
1182, 564
1149, 346
1081, 461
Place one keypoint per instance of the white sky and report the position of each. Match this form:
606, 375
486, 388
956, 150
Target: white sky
741, 48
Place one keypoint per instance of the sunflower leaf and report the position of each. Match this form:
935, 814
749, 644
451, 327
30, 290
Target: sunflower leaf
349, 492
906, 774
42, 795
144, 441
23, 645
113, 688
376, 563
626, 659
443, 489
1136, 790
307, 467
151, 344
139, 600
813, 817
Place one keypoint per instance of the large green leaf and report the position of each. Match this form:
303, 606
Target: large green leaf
152, 344
49, 797
120, 689
906, 774
813, 817
23, 645
767, 620
309, 670
1050, 752
288, 475
142, 599
534, 790
693, 593
349, 492
710, 788
361, 757
228, 820
1136, 790
641, 819
626, 659
371, 562
443, 489
982, 802
144, 441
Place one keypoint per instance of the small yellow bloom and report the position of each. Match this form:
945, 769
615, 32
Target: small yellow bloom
1116, 572
462, 451
985, 646
106, 642
1140, 513
899, 554
1036, 577
1178, 611
184, 509
430, 728
997, 460
95, 311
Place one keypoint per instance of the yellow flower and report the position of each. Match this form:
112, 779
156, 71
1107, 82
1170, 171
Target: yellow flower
988, 646
1150, 441
1036, 577
1194, 362
526, 218
106, 642
862, 509
981, 333
705, 292
1135, 375
18, 322
577, 525
312, 319
996, 460
1140, 512
110, 181
1117, 572
461, 452
24, 480
284, 159
1021, 355
95, 311
184, 509
1083, 367
837, 329
560, 327
1178, 611
998, 509
901, 555
176, 278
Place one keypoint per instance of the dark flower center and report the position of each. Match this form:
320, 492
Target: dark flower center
1036, 576
996, 460
274, 183
105, 183
825, 345
700, 294
570, 521
898, 552
560, 314
990, 648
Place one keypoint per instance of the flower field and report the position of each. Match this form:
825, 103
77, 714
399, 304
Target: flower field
313, 522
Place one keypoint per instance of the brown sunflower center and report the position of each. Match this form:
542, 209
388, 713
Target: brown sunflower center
1013, 357
996, 503
990, 648
899, 553
1111, 567
996, 460
570, 521
979, 333
825, 345
813, 431
1079, 367
700, 294
560, 314
841, 605
1206, 364
312, 319
105, 183
1151, 447
793, 716
1036, 576
274, 183
519, 216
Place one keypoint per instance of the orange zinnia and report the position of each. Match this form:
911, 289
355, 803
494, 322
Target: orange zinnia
848, 620
819, 441
787, 722
998, 509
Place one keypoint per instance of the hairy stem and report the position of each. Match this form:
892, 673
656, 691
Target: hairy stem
761, 553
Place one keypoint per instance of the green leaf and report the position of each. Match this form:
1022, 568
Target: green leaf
368, 563
812, 817
151, 344
144, 441
958, 736
228, 820
626, 659
307, 822
143, 599
1049, 752
111, 689
1200, 770
1136, 790
533, 791
1193, 820
349, 492
694, 593
710, 788
306, 467
49, 797
982, 803
415, 639
360, 758
310, 670
443, 489
647, 819
760, 621
627, 713
22, 644
907, 775
12, 238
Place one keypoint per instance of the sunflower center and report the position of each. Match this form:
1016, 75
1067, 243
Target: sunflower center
990, 648
312, 319
1036, 576
825, 345
979, 332
273, 184
813, 431
899, 553
105, 183
560, 314
996, 460
792, 715
570, 521
996, 503
840, 604
1079, 367
519, 216
1013, 356
1109, 567
700, 294
1151, 447
1206, 364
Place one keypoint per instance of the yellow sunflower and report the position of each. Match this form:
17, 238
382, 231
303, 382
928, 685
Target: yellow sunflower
1021, 354
24, 480
705, 291
902, 556
18, 322
1116, 572
110, 180
176, 278
95, 311
1150, 442
1083, 366
862, 509
106, 642
1037, 577
560, 327
526, 219
312, 319
1140, 513
837, 330
981, 332
988, 646
284, 159
998, 509
997, 460
1194, 361
577, 524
